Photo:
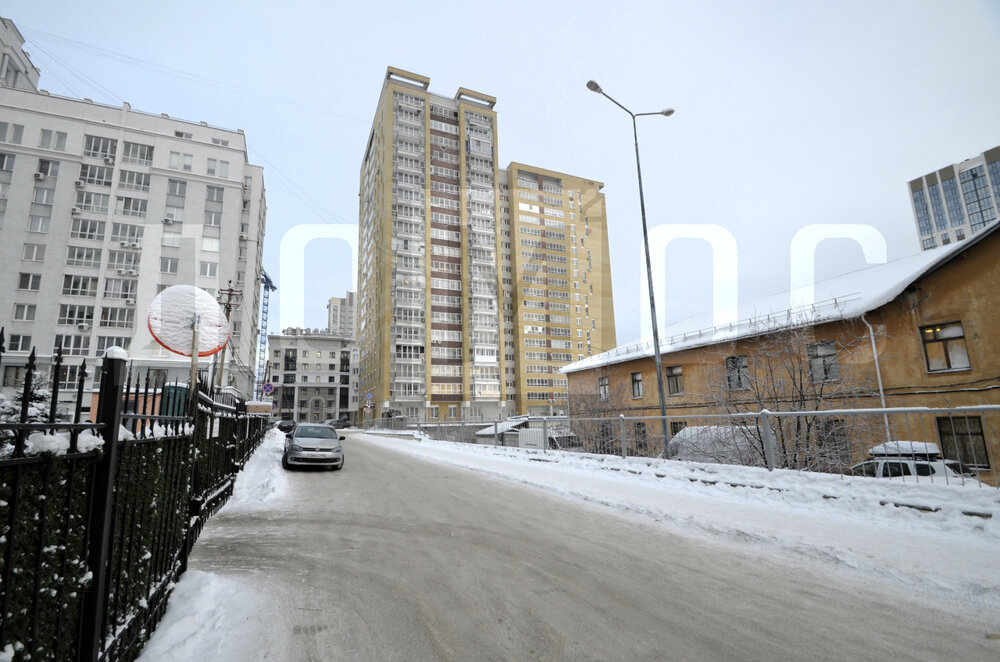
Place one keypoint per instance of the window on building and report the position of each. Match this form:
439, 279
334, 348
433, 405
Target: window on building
48, 168
210, 244
823, 365
33, 252
636, 384
19, 343
209, 269
603, 389
675, 379
677, 426
38, 223
737, 376
24, 312
168, 265
944, 347
213, 218
30, 282
213, 193
962, 439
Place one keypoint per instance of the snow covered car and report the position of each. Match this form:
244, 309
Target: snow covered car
313, 445
899, 459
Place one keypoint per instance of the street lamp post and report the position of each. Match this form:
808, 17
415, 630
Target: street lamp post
667, 112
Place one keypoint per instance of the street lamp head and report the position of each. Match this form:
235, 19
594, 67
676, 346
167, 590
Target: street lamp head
667, 112
594, 87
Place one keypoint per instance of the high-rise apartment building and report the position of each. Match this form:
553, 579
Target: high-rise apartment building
475, 283
342, 315
956, 201
101, 208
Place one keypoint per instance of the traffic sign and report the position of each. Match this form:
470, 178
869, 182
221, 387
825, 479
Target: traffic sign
268, 388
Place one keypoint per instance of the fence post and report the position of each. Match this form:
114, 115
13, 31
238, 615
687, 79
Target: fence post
768, 434
621, 421
109, 411
496, 435
545, 432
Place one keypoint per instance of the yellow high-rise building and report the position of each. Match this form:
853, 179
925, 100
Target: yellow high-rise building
475, 283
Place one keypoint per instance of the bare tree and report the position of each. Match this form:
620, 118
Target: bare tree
595, 419
790, 369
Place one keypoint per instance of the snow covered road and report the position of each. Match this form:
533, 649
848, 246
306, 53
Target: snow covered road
399, 558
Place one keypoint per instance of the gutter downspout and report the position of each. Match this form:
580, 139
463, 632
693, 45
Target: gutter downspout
878, 375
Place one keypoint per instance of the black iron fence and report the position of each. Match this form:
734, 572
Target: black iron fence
97, 517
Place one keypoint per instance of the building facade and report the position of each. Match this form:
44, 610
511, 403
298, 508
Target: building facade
315, 375
463, 265
917, 332
956, 201
342, 315
103, 207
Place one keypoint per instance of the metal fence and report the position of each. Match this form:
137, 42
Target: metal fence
97, 518
950, 445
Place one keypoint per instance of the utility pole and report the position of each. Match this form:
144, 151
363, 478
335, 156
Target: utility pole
229, 298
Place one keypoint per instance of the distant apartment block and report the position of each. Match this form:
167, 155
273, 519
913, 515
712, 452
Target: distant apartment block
342, 315
956, 201
476, 284
314, 374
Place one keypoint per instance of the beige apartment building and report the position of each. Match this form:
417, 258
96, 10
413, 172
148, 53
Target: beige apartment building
476, 284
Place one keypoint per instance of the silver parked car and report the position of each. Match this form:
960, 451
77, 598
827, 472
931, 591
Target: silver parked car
313, 445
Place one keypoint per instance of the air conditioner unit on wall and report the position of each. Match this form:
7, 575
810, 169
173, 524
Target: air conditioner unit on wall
129, 302
109, 160
122, 272
39, 175
244, 236
75, 211
80, 183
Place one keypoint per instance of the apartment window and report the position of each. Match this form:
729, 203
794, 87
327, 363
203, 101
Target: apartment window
944, 347
737, 376
38, 224
213, 219
168, 265
220, 141
636, 384
214, 193
217, 168
677, 426
79, 286
29, 282
180, 161
90, 201
44, 196
6, 162
452, 411
171, 239
33, 252
75, 314
675, 379
78, 256
104, 342
87, 229
19, 343
823, 366
99, 146
603, 389
72, 345
209, 269
119, 288
96, 174
962, 439
130, 207
48, 168
126, 232
210, 244
177, 187
24, 312
117, 318
137, 154
182, 134
134, 181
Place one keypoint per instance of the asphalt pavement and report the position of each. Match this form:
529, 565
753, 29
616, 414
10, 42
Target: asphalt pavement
400, 559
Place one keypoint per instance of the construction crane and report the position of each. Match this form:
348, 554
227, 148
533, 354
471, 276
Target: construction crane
262, 349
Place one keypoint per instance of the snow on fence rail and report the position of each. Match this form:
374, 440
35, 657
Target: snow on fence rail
97, 518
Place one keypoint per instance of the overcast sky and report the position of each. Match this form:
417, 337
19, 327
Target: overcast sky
788, 113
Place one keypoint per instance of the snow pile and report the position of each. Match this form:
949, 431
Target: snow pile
211, 618
58, 443
262, 479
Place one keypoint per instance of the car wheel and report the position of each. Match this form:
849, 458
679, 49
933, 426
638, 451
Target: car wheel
284, 462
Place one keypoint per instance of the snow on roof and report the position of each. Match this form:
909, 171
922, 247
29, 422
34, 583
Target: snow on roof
905, 448
846, 296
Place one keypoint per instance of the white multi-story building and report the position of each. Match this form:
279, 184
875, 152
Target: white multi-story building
958, 200
342, 315
315, 375
101, 208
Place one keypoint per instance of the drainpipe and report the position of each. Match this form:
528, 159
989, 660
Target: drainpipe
878, 375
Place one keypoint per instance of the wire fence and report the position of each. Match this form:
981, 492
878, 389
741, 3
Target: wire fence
939, 445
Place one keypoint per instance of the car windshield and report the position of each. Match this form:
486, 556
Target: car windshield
315, 432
